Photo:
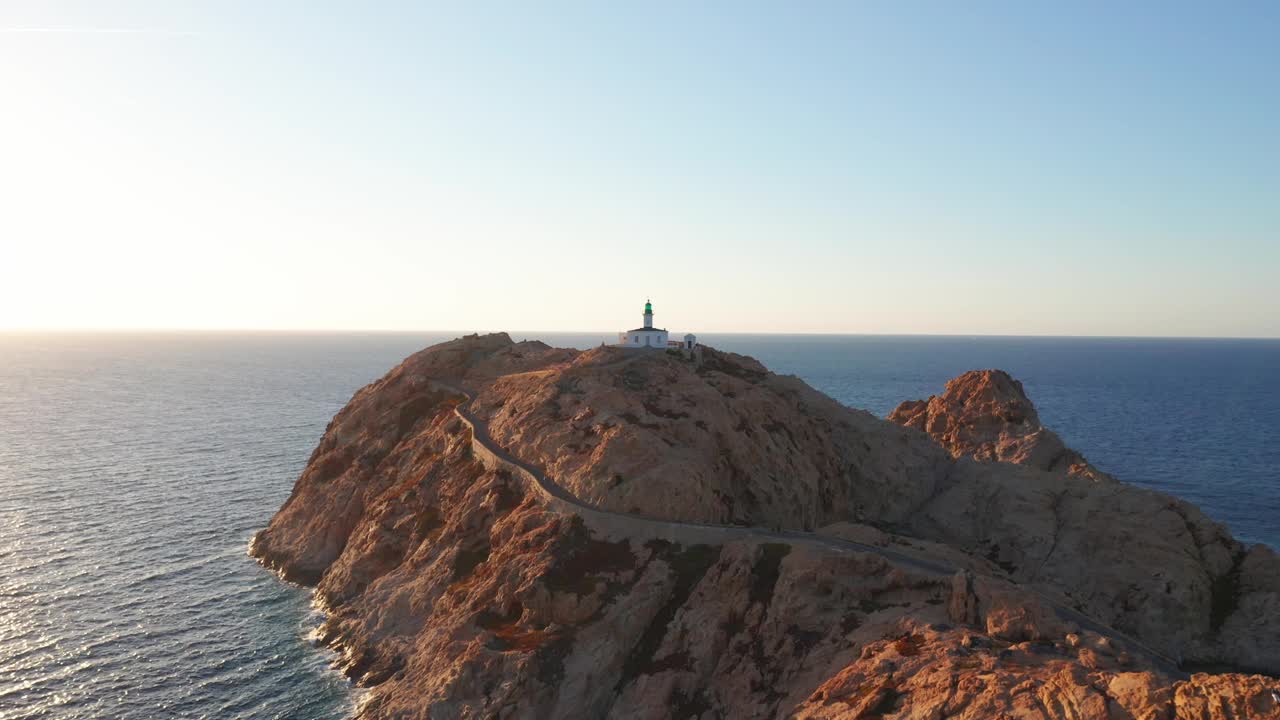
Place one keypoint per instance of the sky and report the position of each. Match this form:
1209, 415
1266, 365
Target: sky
1091, 168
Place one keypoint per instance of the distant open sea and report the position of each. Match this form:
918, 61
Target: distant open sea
135, 467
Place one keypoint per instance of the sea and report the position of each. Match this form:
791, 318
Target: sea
134, 468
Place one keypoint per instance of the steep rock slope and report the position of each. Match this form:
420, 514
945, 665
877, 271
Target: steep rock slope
455, 592
1139, 560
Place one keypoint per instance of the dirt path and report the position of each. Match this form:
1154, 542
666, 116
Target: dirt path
615, 523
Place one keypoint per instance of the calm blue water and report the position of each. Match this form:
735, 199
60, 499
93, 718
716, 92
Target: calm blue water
134, 469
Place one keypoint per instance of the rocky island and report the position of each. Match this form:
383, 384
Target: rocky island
511, 530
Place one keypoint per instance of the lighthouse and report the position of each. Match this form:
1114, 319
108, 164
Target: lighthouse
645, 336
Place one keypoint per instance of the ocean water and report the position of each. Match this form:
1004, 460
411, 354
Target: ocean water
134, 468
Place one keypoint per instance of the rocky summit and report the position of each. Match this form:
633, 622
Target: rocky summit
510, 530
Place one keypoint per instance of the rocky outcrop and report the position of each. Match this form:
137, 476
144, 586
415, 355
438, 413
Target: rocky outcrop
456, 588
924, 673
1139, 560
987, 416
720, 441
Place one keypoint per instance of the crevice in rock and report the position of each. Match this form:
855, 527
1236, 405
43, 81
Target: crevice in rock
1059, 523
764, 574
1225, 594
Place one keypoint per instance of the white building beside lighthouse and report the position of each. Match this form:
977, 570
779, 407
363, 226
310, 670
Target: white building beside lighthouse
648, 336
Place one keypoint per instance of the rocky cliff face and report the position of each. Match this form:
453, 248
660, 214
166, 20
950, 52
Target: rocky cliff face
455, 589
1136, 559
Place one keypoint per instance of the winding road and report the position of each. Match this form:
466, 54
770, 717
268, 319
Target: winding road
617, 523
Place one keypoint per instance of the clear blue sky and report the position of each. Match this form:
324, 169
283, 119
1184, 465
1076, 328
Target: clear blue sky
1008, 168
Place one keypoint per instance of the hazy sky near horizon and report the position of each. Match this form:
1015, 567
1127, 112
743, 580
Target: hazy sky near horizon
1089, 168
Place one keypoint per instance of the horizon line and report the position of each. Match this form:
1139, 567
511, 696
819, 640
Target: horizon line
461, 333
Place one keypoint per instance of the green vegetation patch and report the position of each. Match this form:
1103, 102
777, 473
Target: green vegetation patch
550, 657
582, 560
688, 566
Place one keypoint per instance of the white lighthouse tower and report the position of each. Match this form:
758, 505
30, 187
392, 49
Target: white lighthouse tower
646, 336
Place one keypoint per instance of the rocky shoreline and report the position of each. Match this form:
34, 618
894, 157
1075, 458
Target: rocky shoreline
454, 588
